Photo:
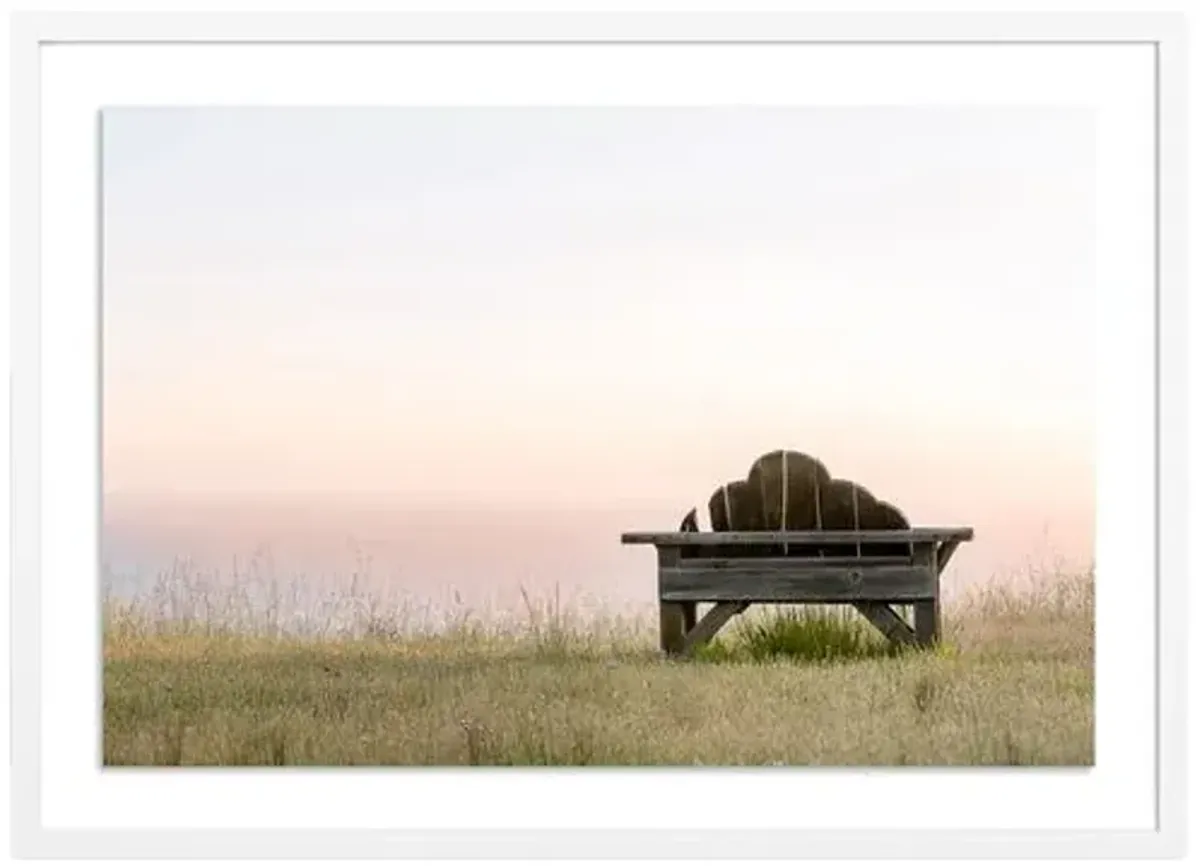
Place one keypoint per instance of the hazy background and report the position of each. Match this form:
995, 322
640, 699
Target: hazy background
466, 348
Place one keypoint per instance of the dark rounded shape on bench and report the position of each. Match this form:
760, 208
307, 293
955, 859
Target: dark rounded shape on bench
690, 523
735, 507
788, 481
884, 515
845, 505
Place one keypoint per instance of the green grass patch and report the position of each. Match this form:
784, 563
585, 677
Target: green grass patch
802, 634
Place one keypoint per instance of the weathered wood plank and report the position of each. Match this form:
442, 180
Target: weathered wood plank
890, 623
791, 563
783, 581
711, 623
903, 536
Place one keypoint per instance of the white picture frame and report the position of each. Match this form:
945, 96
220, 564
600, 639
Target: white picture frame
67, 807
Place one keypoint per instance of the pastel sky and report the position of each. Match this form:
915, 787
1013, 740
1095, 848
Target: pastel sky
532, 308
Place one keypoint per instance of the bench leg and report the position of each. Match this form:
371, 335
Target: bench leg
927, 617
670, 627
689, 615
889, 623
927, 613
712, 622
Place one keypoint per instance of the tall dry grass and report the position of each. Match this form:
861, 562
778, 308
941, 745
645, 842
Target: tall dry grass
191, 678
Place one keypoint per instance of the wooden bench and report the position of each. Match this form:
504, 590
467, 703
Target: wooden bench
733, 570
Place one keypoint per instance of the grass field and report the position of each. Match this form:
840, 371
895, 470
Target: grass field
1012, 683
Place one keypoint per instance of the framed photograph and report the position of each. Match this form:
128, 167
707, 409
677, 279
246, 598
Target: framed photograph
607, 435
